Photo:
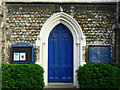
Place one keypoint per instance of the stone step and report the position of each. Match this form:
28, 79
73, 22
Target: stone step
60, 86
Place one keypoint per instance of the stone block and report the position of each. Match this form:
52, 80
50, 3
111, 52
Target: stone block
33, 24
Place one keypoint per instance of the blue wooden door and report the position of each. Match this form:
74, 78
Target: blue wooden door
60, 55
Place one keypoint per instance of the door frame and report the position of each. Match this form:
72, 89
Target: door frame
79, 42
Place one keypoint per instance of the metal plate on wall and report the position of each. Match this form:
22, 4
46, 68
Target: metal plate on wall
99, 54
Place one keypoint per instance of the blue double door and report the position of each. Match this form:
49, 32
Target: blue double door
60, 55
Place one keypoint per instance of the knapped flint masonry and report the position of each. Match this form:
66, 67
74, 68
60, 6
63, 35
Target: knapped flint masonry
92, 23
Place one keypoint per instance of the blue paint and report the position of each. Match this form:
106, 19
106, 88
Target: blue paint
99, 54
60, 55
22, 44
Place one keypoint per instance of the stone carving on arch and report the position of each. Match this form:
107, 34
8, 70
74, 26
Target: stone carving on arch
79, 42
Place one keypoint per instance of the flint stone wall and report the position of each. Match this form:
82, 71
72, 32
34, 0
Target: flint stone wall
23, 22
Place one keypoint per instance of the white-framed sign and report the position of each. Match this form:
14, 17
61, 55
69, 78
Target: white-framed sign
16, 56
22, 56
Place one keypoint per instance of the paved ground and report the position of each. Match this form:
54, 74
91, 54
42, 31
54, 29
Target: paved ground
60, 89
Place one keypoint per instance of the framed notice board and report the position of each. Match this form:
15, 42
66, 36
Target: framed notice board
99, 54
22, 53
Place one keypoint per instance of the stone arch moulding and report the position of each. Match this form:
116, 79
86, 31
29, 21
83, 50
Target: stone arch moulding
79, 42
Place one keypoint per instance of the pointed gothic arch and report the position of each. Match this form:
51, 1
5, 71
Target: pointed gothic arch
79, 42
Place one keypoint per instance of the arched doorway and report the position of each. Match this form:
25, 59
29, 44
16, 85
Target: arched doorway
79, 42
60, 55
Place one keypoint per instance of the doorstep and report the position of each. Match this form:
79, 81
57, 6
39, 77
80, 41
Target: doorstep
60, 86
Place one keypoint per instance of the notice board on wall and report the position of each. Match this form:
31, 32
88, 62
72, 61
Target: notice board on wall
99, 54
22, 53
